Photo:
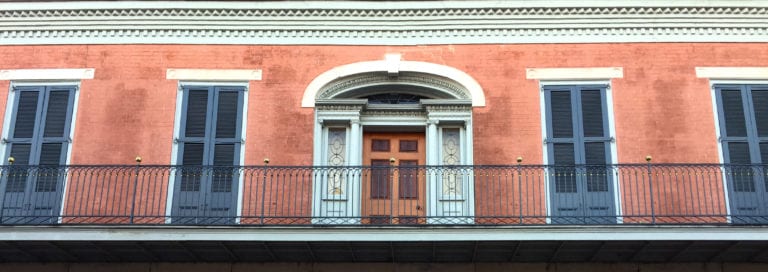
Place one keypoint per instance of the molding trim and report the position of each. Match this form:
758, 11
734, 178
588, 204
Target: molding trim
354, 234
756, 73
402, 23
329, 80
590, 73
47, 74
213, 74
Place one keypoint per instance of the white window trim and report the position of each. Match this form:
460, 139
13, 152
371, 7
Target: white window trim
176, 135
213, 74
587, 73
48, 74
732, 73
611, 130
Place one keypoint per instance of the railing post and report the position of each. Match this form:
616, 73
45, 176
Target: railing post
520, 188
135, 184
392, 190
650, 188
264, 190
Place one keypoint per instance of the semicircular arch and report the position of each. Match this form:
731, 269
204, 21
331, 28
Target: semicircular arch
449, 81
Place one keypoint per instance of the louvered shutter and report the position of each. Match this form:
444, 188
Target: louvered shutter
197, 106
562, 114
26, 113
226, 117
56, 114
733, 112
592, 113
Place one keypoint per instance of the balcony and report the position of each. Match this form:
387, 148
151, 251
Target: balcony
499, 195
484, 213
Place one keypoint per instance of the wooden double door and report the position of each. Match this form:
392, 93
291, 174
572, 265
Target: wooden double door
394, 185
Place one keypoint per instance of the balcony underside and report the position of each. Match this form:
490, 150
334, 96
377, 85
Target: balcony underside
384, 244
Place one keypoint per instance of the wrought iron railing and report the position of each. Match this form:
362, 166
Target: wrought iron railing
637, 194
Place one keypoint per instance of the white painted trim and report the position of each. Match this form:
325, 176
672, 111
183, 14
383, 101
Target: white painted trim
291, 5
385, 66
213, 74
574, 73
174, 152
392, 23
243, 130
47, 74
732, 73
388, 234
720, 155
614, 150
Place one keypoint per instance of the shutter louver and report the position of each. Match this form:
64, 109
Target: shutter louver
192, 156
226, 118
50, 155
592, 113
56, 114
564, 176
197, 108
224, 155
740, 174
17, 178
26, 115
738, 153
562, 115
596, 173
733, 112
760, 105
564, 154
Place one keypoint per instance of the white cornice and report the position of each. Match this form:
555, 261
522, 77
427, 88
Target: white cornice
387, 23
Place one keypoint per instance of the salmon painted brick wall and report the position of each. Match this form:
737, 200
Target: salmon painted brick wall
660, 107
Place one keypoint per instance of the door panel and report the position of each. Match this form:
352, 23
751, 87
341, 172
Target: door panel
393, 193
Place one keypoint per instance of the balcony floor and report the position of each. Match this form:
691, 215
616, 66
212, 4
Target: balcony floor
387, 244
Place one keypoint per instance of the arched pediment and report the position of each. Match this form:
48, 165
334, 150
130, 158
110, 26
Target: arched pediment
414, 77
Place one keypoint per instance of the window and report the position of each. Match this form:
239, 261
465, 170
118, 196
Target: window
209, 146
743, 115
38, 140
578, 146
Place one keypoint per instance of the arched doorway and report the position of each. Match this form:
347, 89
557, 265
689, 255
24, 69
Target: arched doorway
373, 120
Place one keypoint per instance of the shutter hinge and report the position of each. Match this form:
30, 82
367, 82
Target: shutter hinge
69, 140
546, 140
4, 140
242, 141
176, 140
613, 139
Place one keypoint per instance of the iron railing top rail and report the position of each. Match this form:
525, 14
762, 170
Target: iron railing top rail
414, 166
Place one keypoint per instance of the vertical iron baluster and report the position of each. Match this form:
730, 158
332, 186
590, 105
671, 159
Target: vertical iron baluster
263, 189
650, 188
135, 183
